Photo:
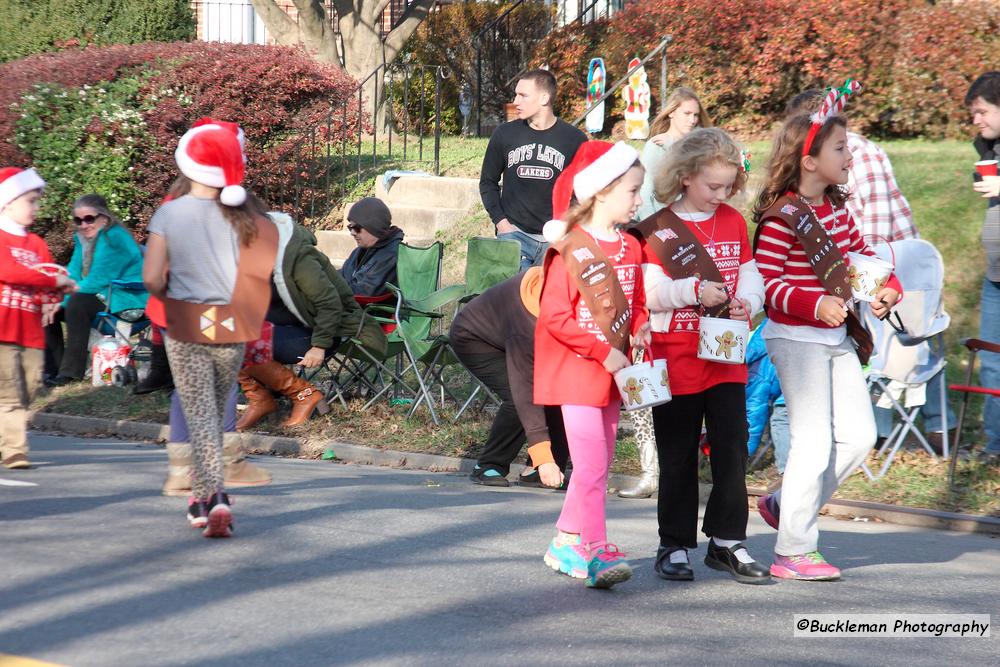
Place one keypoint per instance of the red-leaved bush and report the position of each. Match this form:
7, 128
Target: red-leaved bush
747, 58
279, 95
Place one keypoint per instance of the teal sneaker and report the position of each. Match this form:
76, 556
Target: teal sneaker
568, 557
608, 567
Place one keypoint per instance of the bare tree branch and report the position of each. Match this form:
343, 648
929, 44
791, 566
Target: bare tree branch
412, 18
380, 7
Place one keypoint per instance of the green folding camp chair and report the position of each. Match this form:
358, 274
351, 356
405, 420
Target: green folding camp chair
489, 261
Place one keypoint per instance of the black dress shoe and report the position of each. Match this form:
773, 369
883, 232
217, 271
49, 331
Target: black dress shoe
672, 571
724, 559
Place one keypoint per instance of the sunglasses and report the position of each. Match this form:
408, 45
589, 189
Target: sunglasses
85, 220
354, 228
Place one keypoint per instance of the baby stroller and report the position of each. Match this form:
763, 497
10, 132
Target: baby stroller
125, 350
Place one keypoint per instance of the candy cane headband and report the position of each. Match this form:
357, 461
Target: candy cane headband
833, 104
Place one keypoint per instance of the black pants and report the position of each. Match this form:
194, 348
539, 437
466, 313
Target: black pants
69, 358
507, 433
678, 429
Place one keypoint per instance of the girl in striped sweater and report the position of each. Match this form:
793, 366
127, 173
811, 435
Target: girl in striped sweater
799, 212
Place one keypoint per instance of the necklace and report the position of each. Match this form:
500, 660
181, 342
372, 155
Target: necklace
697, 225
620, 255
813, 210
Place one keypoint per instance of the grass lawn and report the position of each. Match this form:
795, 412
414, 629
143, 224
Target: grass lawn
935, 177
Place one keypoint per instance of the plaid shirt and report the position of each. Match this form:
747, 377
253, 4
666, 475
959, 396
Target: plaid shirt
876, 202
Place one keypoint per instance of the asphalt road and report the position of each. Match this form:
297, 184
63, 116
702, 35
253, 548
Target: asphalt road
336, 564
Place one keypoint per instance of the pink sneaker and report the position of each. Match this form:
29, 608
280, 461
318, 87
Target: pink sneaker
769, 510
805, 567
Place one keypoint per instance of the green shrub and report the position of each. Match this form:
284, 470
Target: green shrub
37, 26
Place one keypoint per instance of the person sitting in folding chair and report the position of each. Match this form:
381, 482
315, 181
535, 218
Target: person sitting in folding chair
312, 310
373, 262
494, 338
103, 251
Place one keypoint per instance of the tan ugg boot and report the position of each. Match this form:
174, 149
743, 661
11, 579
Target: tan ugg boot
178, 469
237, 470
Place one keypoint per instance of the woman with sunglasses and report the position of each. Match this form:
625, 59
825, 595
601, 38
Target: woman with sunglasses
373, 262
103, 251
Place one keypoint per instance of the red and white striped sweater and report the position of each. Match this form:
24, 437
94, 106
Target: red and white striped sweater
791, 289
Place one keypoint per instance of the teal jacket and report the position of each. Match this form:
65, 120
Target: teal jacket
116, 257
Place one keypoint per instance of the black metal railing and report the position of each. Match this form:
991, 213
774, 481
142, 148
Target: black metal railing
385, 123
504, 47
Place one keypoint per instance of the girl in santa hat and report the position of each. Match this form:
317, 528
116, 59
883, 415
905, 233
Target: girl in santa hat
591, 313
24, 287
220, 248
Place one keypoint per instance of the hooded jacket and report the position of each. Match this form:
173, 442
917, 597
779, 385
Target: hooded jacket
367, 270
315, 293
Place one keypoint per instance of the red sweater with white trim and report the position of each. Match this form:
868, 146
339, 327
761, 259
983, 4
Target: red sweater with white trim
791, 289
570, 348
20, 315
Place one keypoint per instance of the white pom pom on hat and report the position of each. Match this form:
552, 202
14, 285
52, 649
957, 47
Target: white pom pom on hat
212, 155
554, 230
233, 195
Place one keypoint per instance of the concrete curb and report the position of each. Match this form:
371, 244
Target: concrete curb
360, 455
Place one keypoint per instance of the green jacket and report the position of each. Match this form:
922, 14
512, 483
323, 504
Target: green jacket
315, 292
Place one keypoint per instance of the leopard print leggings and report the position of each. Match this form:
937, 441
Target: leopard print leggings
203, 377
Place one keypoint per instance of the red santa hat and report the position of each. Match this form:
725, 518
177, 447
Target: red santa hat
232, 127
211, 155
15, 181
596, 165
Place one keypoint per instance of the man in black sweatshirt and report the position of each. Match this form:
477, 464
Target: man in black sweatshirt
529, 153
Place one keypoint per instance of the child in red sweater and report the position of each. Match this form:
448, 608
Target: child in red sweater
22, 291
697, 258
591, 313
802, 241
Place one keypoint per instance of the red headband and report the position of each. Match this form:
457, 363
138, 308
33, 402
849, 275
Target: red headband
833, 104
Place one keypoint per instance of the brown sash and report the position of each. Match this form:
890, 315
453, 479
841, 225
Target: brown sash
597, 280
239, 320
680, 252
827, 263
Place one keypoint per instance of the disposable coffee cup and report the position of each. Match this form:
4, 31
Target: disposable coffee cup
987, 167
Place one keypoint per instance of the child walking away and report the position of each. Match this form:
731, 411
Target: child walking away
697, 260
814, 337
23, 291
220, 248
591, 313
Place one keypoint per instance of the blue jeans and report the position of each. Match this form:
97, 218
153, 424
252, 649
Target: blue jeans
989, 362
781, 439
292, 342
532, 251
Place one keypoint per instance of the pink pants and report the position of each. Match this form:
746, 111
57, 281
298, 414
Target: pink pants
591, 432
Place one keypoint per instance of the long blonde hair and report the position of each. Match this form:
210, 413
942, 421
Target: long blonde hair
688, 156
784, 169
680, 95
580, 213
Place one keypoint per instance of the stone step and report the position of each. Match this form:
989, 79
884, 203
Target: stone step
339, 244
435, 192
421, 221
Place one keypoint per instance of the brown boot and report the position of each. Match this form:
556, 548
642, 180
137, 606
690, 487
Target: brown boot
304, 396
260, 402
178, 469
237, 470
